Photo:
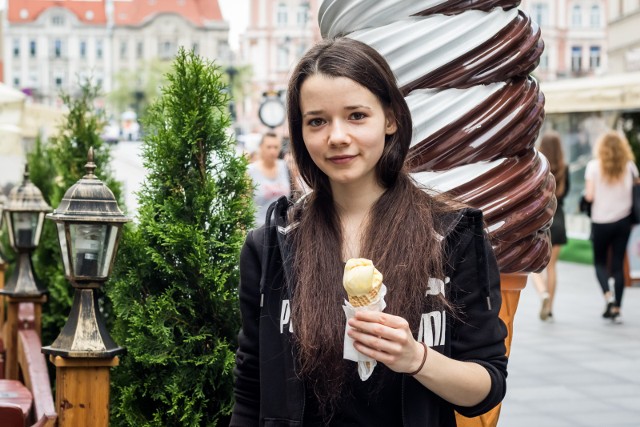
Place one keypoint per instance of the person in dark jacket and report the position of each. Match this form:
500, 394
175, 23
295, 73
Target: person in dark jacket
438, 344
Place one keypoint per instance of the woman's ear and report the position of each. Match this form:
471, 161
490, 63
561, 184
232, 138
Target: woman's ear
391, 125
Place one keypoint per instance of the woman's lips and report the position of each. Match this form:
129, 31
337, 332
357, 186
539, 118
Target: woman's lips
340, 160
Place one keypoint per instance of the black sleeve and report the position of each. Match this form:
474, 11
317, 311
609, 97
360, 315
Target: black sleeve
246, 409
479, 333
567, 182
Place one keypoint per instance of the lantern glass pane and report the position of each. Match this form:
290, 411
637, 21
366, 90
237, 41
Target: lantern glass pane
111, 237
64, 249
36, 239
24, 228
87, 248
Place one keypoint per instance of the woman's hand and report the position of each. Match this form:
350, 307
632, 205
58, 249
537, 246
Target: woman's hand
387, 339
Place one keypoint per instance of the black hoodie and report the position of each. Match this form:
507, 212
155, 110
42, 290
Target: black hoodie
267, 390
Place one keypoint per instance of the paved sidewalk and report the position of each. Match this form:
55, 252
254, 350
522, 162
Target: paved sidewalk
580, 370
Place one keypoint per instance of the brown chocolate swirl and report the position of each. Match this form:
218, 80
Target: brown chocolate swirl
505, 124
454, 7
516, 196
515, 51
518, 203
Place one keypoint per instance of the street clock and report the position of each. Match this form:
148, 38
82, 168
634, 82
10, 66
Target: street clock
272, 112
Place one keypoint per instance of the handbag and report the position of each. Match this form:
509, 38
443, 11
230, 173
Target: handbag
635, 203
585, 207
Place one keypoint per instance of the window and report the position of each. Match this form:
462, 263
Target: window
544, 61
303, 14
16, 81
594, 57
540, 13
281, 14
166, 50
57, 21
283, 57
99, 49
16, 48
83, 49
57, 48
140, 50
576, 59
595, 16
123, 49
576, 16
32, 48
196, 48
58, 81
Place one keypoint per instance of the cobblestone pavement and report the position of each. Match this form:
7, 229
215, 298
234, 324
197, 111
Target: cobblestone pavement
580, 370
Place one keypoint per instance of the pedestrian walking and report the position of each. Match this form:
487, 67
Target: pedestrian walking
609, 180
439, 343
546, 282
270, 175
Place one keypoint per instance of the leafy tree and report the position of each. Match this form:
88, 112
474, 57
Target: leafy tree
53, 168
138, 89
175, 289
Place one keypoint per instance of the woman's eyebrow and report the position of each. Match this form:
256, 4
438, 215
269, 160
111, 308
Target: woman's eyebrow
348, 107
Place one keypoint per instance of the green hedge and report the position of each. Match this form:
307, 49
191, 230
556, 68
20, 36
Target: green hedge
577, 250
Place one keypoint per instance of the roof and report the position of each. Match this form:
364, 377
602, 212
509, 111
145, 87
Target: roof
601, 93
25, 11
137, 12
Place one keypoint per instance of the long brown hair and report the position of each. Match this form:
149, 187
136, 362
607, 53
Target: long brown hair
399, 236
551, 147
614, 153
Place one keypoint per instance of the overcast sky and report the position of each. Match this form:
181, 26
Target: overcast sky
236, 12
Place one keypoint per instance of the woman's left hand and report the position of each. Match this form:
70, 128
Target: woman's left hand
387, 339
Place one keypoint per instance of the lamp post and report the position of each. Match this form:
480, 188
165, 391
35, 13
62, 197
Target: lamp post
24, 216
89, 224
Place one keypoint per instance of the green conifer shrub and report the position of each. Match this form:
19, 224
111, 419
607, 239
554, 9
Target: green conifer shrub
54, 166
174, 292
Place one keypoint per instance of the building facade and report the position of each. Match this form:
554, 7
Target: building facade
575, 36
278, 33
624, 36
50, 45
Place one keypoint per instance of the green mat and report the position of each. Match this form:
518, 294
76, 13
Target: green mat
577, 250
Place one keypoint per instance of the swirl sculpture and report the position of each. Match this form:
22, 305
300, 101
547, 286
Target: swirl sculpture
464, 67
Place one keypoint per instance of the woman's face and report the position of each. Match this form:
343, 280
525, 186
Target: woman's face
344, 128
270, 148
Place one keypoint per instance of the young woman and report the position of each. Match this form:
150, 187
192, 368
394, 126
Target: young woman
551, 147
270, 175
439, 343
608, 182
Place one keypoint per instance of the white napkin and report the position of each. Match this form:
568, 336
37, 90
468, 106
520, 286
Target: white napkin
365, 363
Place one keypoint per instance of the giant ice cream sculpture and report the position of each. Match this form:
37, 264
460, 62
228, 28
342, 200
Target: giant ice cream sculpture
464, 67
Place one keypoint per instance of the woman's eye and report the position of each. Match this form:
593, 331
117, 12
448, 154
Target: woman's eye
358, 116
315, 122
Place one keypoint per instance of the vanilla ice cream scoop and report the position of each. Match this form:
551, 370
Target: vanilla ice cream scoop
362, 281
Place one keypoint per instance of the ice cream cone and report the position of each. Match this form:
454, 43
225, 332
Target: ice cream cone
362, 281
364, 300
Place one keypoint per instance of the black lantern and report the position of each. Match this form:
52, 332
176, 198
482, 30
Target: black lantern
24, 215
89, 224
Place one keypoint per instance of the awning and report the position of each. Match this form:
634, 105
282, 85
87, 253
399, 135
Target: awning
619, 92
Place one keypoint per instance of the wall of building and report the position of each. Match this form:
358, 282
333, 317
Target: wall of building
575, 36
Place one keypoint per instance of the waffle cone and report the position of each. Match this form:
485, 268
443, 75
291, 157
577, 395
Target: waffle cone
364, 300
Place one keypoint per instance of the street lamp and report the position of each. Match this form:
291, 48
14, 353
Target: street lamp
24, 215
89, 224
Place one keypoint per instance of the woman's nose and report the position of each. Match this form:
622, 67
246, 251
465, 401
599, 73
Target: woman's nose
338, 134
